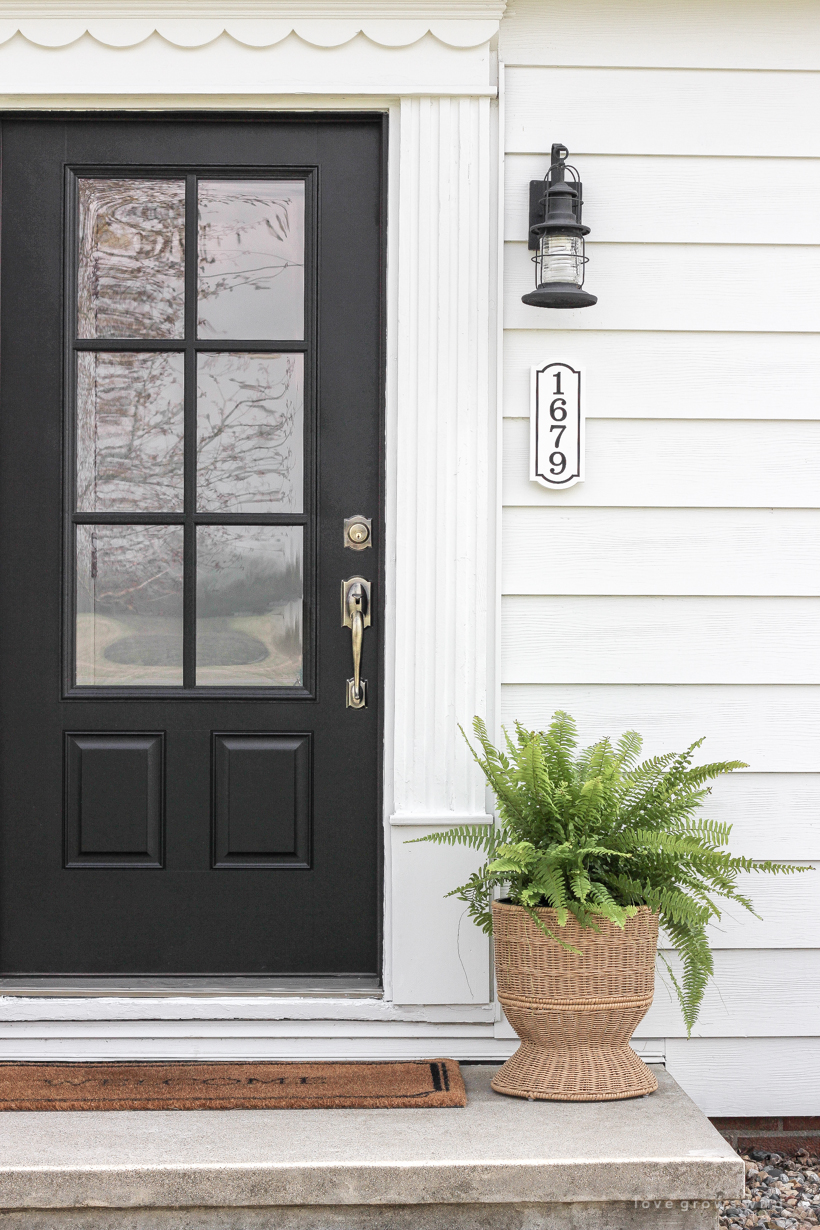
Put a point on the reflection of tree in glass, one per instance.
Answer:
(129, 604)
(247, 234)
(229, 591)
(131, 274)
(130, 432)
(251, 258)
(249, 433)
(247, 569)
(263, 587)
(130, 570)
(250, 578)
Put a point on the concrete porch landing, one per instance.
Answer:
(499, 1164)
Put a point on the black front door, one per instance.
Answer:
(190, 398)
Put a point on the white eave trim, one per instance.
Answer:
(198, 31)
(281, 10)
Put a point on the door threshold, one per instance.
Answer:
(76, 986)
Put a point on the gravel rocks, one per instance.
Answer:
(782, 1193)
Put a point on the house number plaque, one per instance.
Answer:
(556, 426)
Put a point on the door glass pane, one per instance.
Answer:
(130, 432)
(131, 271)
(249, 433)
(249, 605)
(129, 604)
(251, 258)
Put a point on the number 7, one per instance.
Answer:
(560, 428)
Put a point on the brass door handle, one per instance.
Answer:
(356, 617)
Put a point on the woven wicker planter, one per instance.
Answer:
(574, 1014)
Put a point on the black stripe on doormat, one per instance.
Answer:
(441, 1077)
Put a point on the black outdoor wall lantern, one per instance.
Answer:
(557, 237)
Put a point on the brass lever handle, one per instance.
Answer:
(356, 617)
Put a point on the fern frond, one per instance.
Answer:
(542, 926)
(477, 836)
(627, 749)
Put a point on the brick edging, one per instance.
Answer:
(772, 1133)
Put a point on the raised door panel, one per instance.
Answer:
(262, 795)
(114, 800)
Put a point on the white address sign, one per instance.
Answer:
(556, 426)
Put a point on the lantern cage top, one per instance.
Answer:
(556, 235)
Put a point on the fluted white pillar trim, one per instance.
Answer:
(444, 527)
(443, 509)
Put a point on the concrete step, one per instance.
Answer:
(498, 1164)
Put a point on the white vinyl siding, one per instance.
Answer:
(695, 287)
(638, 199)
(754, 552)
(675, 590)
(604, 110)
(678, 375)
(676, 463)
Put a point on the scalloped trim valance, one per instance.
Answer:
(279, 10)
(262, 32)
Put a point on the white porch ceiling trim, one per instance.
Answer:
(228, 10)
(251, 31)
(248, 59)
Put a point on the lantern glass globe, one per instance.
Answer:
(560, 259)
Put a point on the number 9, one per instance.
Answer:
(558, 463)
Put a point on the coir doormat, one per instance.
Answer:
(230, 1086)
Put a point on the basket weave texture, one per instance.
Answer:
(574, 1013)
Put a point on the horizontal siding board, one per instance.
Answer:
(748, 1076)
(673, 463)
(671, 375)
(773, 815)
(660, 640)
(697, 34)
(776, 729)
(657, 111)
(787, 904)
(678, 200)
(664, 551)
(699, 287)
(733, 1005)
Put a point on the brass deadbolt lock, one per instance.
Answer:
(358, 533)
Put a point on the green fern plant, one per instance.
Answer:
(597, 834)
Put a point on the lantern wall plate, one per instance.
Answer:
(556, 426)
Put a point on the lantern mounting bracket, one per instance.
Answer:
(540, 187)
